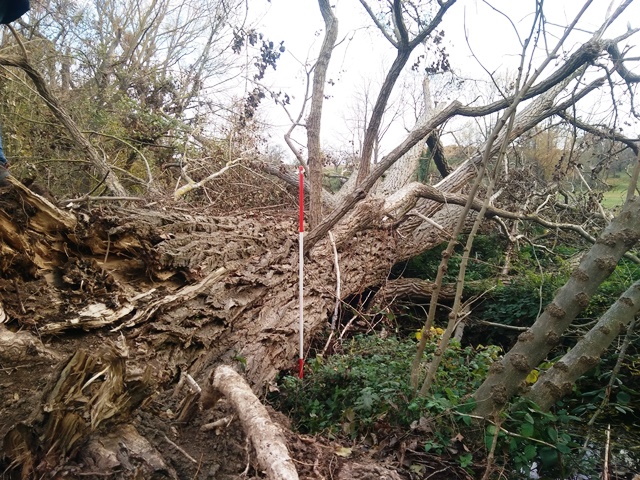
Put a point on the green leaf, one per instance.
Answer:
(431, 446)
(465, 460)
(488, 441)
(562, 448)
(548, 456)
(553, 434)
(529, 418)
(526, 429)
(530, 452)
(623, 398)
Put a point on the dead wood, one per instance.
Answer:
(48, 218)
(266, 438)
(411, 289)
(187, 292)
(16, 347)
(87, 393)
(124, 450)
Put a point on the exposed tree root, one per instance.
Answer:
(266, 438)
(21, 346)
(90, 394)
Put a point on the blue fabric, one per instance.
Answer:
(11, 10)
(3, 159)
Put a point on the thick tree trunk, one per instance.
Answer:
(559, 380)
(315, 161)
(507, 374)
(187, 292)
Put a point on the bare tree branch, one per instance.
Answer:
(404, 50)
(315, 115)
(618, 61)
(608, 134)
(380, 26)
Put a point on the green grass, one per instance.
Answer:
(615, 196)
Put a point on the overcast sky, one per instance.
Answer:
(364, 52)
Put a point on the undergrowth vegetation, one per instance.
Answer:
(363, 392)
(368, 386)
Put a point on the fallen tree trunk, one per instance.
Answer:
(265, 437)
(180, 293)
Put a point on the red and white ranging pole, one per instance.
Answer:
(301, 268)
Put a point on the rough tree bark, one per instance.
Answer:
(187, 292)
(172, 293)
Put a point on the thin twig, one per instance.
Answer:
(102, 199)
(507, 432)
(501, 325)
(19, 40)
(180, 449)
(326, 345)
(605, 467)
(334, 318)
(344, 330)
(614, 373)
(221, 422)
(491, 455)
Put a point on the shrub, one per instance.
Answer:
(368, 386)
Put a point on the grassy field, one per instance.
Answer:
(617, 193)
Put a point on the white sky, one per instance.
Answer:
(364, 52)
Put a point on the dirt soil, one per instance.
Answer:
(165, 446)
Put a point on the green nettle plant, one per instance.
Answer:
(367, 387)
